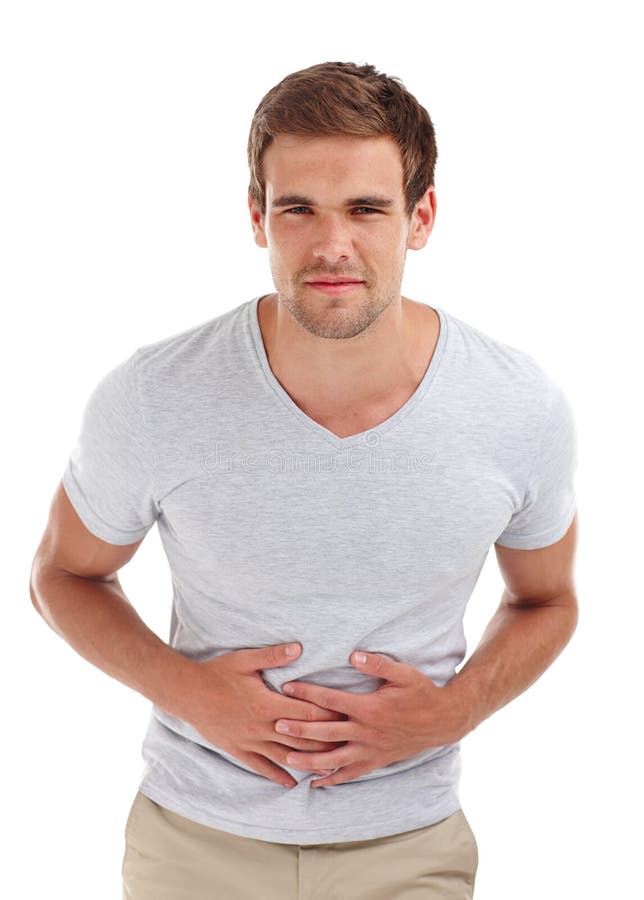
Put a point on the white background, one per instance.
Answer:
(123, 212)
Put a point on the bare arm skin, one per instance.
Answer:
(535, 620)
(74, 586)
(410, 713)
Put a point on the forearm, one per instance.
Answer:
(98, 621)
(517, 646)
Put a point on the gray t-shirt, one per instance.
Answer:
(277, 530)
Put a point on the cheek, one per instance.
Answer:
(288, 250)
(387, 255)
(283, 266)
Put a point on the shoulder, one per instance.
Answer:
(203, 353)
(191, 342)
(500, 374)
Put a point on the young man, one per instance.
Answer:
(328, 466)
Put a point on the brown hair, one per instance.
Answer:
(342, 98)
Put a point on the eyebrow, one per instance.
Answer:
(298, 200)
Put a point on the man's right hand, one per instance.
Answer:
(231, 706)
(73, 585)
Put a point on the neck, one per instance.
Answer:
(387, 357)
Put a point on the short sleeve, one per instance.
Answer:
(109, 477)
(549, 502)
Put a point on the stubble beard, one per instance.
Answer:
(336, 318)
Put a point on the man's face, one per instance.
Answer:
(335, 207)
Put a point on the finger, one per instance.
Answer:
(311, 761)
(381, 666)
(264, 766)
(329, 698)
(341, 776)
(255, 658)
(304, 709)
(277, 754)
(294, 743)
(318, 731)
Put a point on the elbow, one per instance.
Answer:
(33, 590)
(36, 581)
(574, 616)
(570, 607)
(36, 597)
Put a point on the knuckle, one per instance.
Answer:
(316, 710)
(254, 730)
(258, 710)
(325, 700)
(370, 710)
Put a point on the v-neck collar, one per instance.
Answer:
(320, 430)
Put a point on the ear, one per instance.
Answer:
(257, 222)
(422, 220)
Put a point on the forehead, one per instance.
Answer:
(293, 162)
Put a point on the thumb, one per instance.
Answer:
(269, 657)
(379, 665)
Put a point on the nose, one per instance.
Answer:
(332, 239)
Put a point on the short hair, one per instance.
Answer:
(342, 98)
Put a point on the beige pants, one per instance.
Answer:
(169, 857)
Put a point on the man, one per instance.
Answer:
(328, 466)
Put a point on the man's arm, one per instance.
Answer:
(409, 714)
(74, 586)
(536, 618)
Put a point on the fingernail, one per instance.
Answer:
(292, 649)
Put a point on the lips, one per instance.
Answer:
(334, 288)
(335, 281)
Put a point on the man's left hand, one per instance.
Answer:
(405, 716)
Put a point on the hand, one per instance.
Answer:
(403, 717)
(229, 703)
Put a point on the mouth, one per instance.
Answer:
(334, 279)
(334, 285)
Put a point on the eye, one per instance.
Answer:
(296, 209)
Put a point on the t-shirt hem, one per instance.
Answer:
(369, 830)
